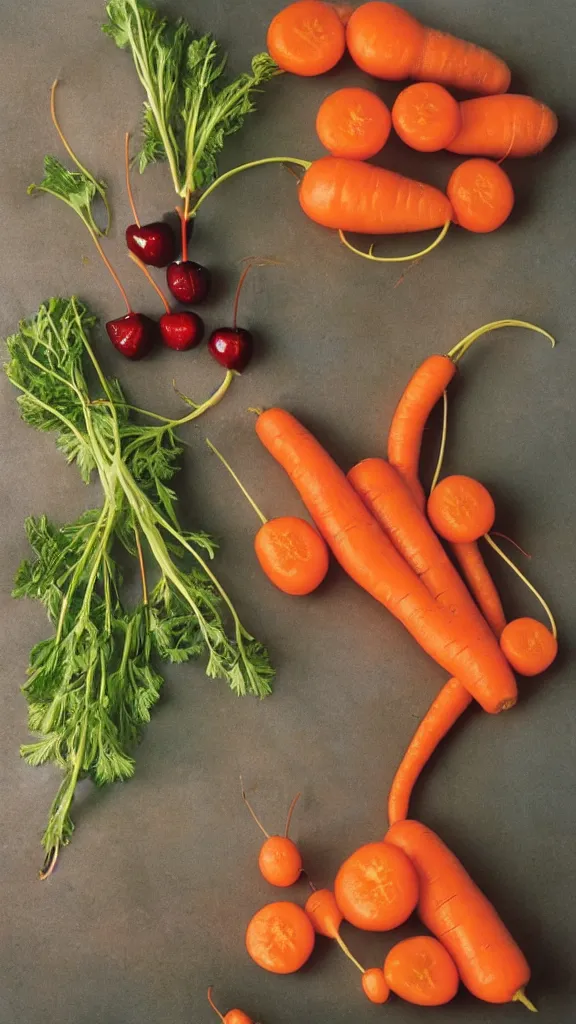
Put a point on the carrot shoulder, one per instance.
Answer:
(369, 557)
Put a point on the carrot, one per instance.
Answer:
(376, 888)
(233, 1016)
(280, 938)
(389, 43)
(461, 510)
(369, 557)
(455, 910)
(307, 38)
(503, 126)
(375, 985)
(349, 195)
(529, 646)
(353, 123)
(327, 918)
(425, 388)
(481, 194)
(280, 860)
(290, 551)
(443, 714)
(481, 584)
(420, 971)
(426, 117)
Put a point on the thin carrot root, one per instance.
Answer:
(521, 997)
(395, 259)
(252, 811)
(514, 543)
(213, 1004)
(338, 938)
(530, 586)
(290, 813)
(49, 864)
(237, 480)
(459, 350)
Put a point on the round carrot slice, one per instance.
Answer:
(529, 646)
(353, 123)
(426, 117)
(375, 889)
(307, 38)
(481, 194)
(421, 971)
(461, 510)
(280, 938)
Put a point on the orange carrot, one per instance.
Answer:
(371, 560)
(481, 584)
(280, 938)
(503, 126)
(307, 38)
(350, 195)
(389, 43)
(327, 918)
(353, 123)
(481, 194)
(421, 971)
(290, 551)
(461, 510)
(233, 1016)
(426, 117)
(375, 985)
(443, 714)
(280, 861)
(454, 909)
(376, 888)
(529, 646)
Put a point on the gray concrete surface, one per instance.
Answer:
(150, 902)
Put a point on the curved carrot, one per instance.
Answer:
(443, 713)
(389, 43)
(454, 909)
(371, 560)
(350, 195)
(307, 38)
(481, 584)
(481, 194)
(503, 126)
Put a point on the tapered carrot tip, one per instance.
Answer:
(521, 997)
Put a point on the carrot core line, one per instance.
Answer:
(394, 259)
(530, 586)
(248, 497)
(290, 813)
(252, 811)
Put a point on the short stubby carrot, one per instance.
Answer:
(371, 560)
(349, 195)
(503, 126)
(353, 123)
(280, 938)
(442, 715)
(390, 43)
(426, 117)
(375, 986)
(292, 555)
(422, 972)
(233, 1016)
(481, 194)
(529, 646)
(454, 909)
(461, 509)
(375, 889)
(481, 584)
(307, 38)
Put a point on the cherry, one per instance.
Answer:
(133, 335)
(189, 282)
(181, 331)
(232, 347)
(153, 243)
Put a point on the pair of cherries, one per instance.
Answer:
(189, 282)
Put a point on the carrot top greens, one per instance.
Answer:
(189, 109)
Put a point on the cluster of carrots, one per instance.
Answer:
(388, 536)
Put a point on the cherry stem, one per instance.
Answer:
(395, 259)
(442, 451)
(111, 270)
(249, 498)
(184, 225)
(290, 813)
(530, 586)
(128, 182)
(345, 950)
(98, 186)
(135, 259)
(459, 350)
(252, 811)
(213, 1005)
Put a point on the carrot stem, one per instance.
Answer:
(248, 497)
(347, 952)
(395, 259)
(213, 1005)
(252, 811)
(208, 404)
(459, 350)
(246, 167)
(135, 259)
(530, 586)
(290, 813)
(49, 864)
(142, 568)
(442, 451)
(128, 182)
(110, 268)
(101, 191)
(521, 997)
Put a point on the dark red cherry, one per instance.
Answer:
(133, 335)
(189, 282)
(231, 347)
(154, 243)
(181, 331)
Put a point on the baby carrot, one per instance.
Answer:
(529, 646)
(279, 860)
(426, 117)
(481, 194)
(376, 888)
(353, 123)
(280, 938)
(461, 510)
(233, 1016)
(307, 38)
(421, 971)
